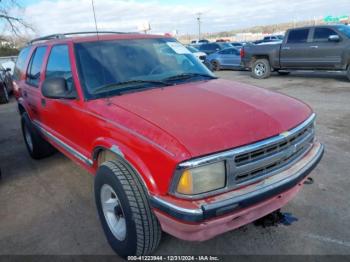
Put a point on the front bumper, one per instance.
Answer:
(204, 219)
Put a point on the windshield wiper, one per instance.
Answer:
(188, 76)
(119, 85)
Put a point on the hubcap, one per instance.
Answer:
(113, 212)
(28, 138)
(260, 69)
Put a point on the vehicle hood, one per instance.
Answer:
(216, 115)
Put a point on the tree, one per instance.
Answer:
(15, 23)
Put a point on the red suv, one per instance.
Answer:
(172, 147)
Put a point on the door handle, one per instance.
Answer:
(43, 102)
(286, 48)
(314, 46)
(25, 93)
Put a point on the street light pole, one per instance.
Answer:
(199, 25)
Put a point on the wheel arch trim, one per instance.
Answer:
(125, 154)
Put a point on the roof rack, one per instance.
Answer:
(64, 35)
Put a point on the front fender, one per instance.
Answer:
(130, 157)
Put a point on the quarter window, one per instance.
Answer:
(33, 76)
(298, 36)
(58, 65)
(20, 63)
(323, 34)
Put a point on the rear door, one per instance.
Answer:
(326, 54)
(295, 51)
(31, 86)
(19, 72)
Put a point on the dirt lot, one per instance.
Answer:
(47, 206)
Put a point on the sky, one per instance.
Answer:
(57, 16)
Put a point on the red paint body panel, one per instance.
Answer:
(166, 125)
(211, 228)
(212, 116)
(157, 129)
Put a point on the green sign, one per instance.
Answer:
(335, 19)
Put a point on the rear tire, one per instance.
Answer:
(261, 69)
(4, 96)
(37, 146)
(130, 226)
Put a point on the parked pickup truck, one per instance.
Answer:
(172, 147)
(325, 47)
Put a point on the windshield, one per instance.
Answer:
(108, 67)
(345, 30)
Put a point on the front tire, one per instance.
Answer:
(261, 69)
(4, 95)
(37, 146)
(216, 65)
(129, 224)
(348, 72)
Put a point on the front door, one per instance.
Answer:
(326, 54)
(63, 120)
(295, 51)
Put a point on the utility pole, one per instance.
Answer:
(199, 25)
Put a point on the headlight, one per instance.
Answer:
(202, 179)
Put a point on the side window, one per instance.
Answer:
(33, 74)
(20, 63)
(322, 34)
(224, 52)
(234, 52)
(204, 47)
(58, 64)
(298, 36)
(215, 47)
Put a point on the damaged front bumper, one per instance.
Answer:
(204, 219)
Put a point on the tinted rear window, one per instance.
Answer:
(33, 76)
(298, 36)
(209, 47)
(21, 63)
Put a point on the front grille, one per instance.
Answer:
(202, 57)
(255, 162)
(268, 157)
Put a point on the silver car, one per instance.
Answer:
(228, 58)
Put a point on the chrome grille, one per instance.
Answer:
(270, 157)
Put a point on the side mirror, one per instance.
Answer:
(334, 38)
(56, 88)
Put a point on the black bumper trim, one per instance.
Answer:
(234, 204)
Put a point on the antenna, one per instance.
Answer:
(93, 10)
